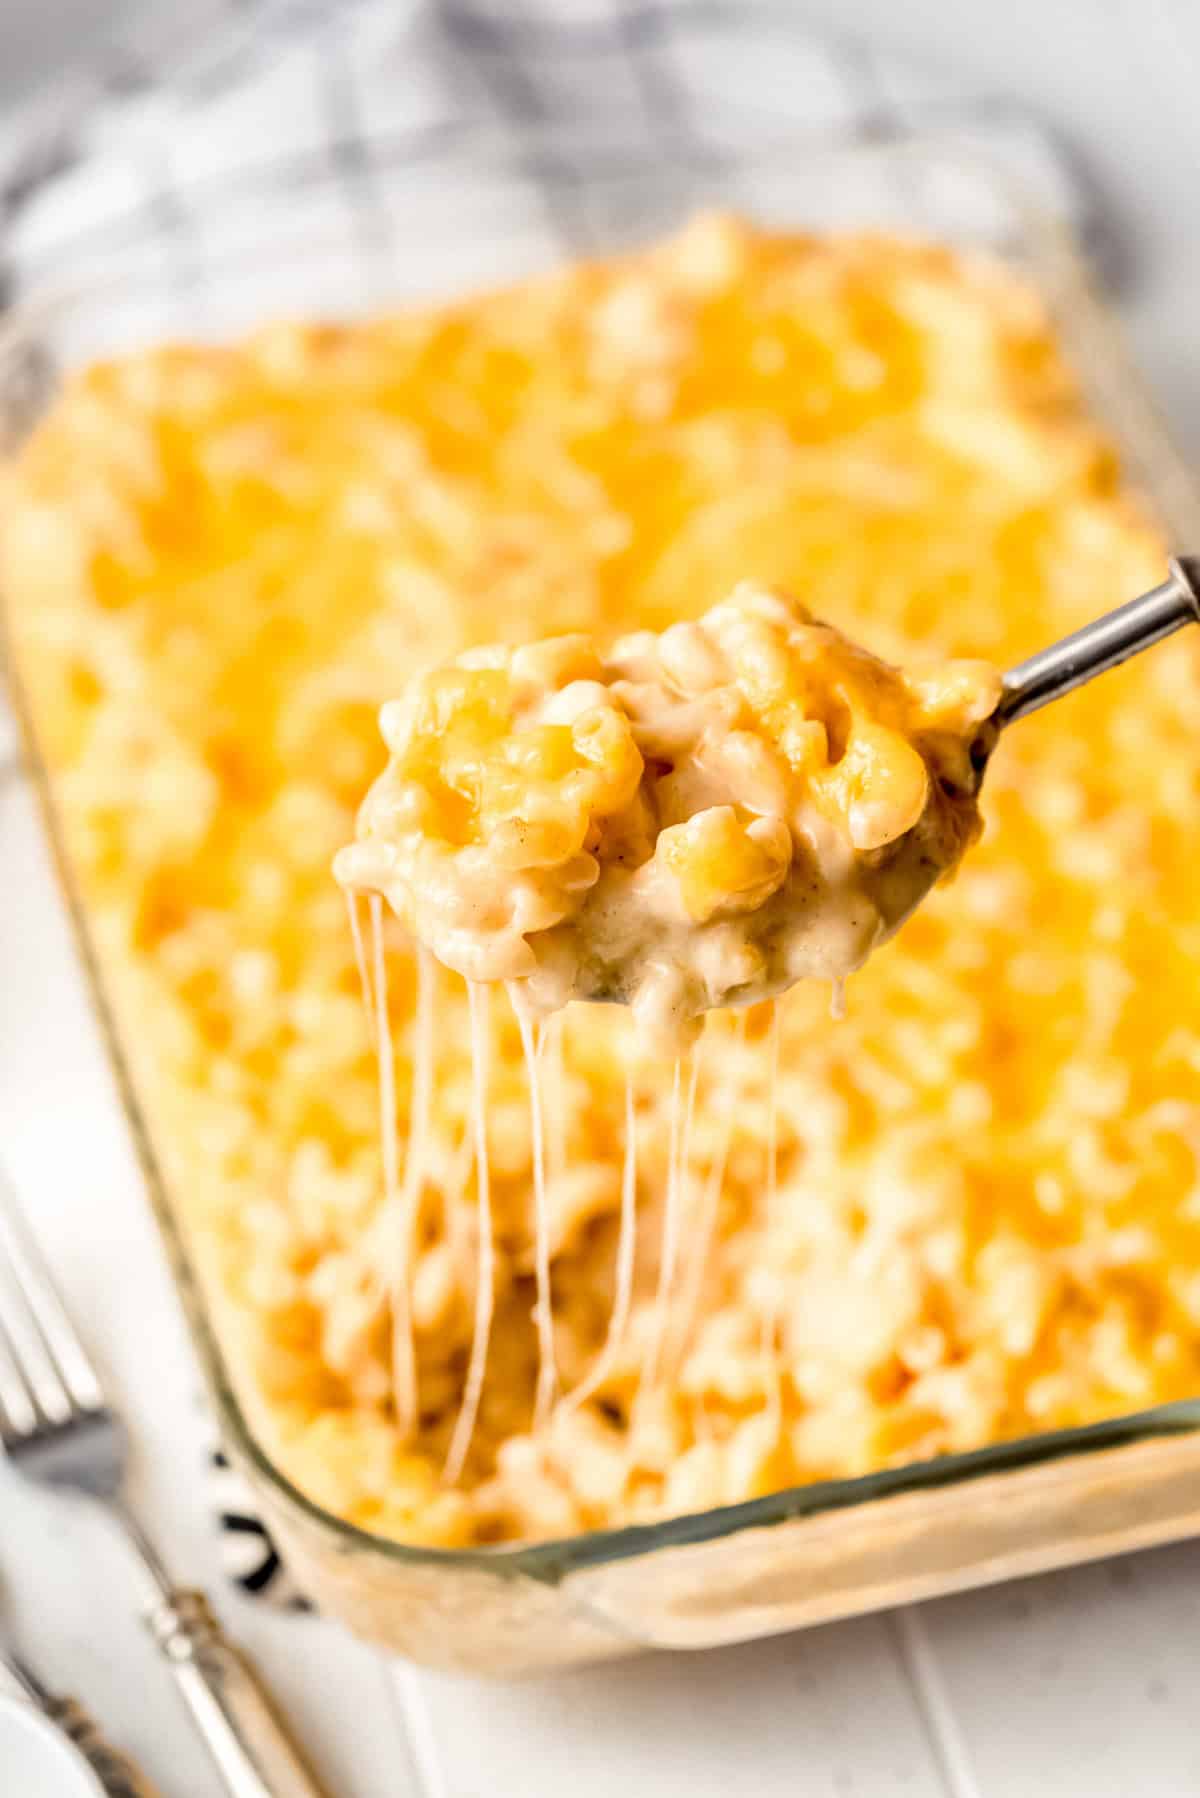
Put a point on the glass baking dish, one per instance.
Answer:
(811, 1553)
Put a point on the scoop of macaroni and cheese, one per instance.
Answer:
(699, 818)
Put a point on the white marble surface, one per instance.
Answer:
(1078, 1684)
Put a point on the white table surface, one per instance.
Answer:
(1079, 1684)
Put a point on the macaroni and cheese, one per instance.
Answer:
(220, 562)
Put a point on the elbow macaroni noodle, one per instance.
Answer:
(973, 1211)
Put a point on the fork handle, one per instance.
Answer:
(229, 1705)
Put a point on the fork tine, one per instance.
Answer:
(18, 1413)
(63, 1359)
(28, 1352)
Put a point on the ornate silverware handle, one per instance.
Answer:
(114, 1769)
(255, 1755)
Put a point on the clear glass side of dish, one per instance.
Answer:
(796, 1557)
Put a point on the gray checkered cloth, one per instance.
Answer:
(358, 120)
(167, 154)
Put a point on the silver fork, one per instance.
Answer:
(59, 1430)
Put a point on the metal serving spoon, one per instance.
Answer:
(1048, 675)
(1103, 644)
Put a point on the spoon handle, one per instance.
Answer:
(1104, 643)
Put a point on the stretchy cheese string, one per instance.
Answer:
(464, 1427)
(666, 1253)
(552, 1050)
(385, 1063)
(678, 1153)
(455, 1210)
(626, 1251)
(685, 1161)
(710, 1204)
(771, 1318)
(543, 1313)
(360, 958)
(420, 1123)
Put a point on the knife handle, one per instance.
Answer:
(255, 1755)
